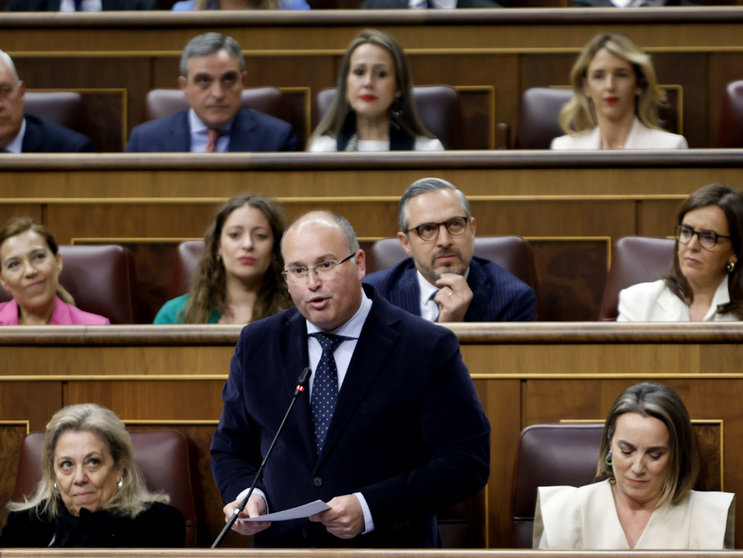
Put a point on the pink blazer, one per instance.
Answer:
(64, 314)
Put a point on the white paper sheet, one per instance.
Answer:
(305, 510)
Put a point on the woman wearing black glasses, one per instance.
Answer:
(705, 282)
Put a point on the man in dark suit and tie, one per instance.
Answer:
(442, 280)
(24, 133)
(212, 73)
(391, 430)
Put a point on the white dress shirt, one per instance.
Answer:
(87, 6)
(16, 144)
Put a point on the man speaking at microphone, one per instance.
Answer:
(392, 430)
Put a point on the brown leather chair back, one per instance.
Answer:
(187, 260)
(102, 280)
(538, 121)
(62, 107)
(164, 457)
(510, 252)
(439, 109)
(730, 131)
(164, 102)
(635, 259)
(550, 455)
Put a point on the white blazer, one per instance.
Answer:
(640, 137)
(654, 302)
(326, 143)
(586, 518)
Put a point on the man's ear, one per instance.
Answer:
(182, 81)
(403, 238)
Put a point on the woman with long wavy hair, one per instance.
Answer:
(238, 279)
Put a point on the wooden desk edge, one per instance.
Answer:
(468, 334)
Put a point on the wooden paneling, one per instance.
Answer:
(155, 376)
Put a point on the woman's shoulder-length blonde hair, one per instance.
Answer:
(578, 114)
(661, 402)
(130, 499)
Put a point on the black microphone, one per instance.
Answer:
(302, 381)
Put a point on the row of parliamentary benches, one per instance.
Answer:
(490, 57)
(570, 207)
(102, 278)
(446, 112)
(160, 377)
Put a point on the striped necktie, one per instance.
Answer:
(213, 134)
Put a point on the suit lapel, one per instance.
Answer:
(672, 307)
(294, 358)
(378, 338)
(180, 132)
(478, 281)
(407, 293)
(636, 134)
(242, 132)
(31, 138)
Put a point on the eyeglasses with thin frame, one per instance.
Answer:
(325, 268)
(707, 239)
(427, 232)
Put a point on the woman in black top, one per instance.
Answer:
(91, 492)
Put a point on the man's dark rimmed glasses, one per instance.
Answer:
(323, 269)
(430, 231)
(707, 239)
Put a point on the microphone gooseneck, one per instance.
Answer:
(301, 386)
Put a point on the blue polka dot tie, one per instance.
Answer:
(324, 387)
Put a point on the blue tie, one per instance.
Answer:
(324, 387)
(78, 5)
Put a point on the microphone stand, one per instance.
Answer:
(304, 378)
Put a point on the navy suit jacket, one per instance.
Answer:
(497, 295)
(408, 431)
(43, 136)
(251, 131)
(53, 5)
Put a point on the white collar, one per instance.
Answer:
(16, 144)
(352, 328)
(197, 126)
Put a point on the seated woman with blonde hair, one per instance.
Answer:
(91, 493)
(373, 108)
(649, 462)
(238, 279)
(30, 266)
(615, 101)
